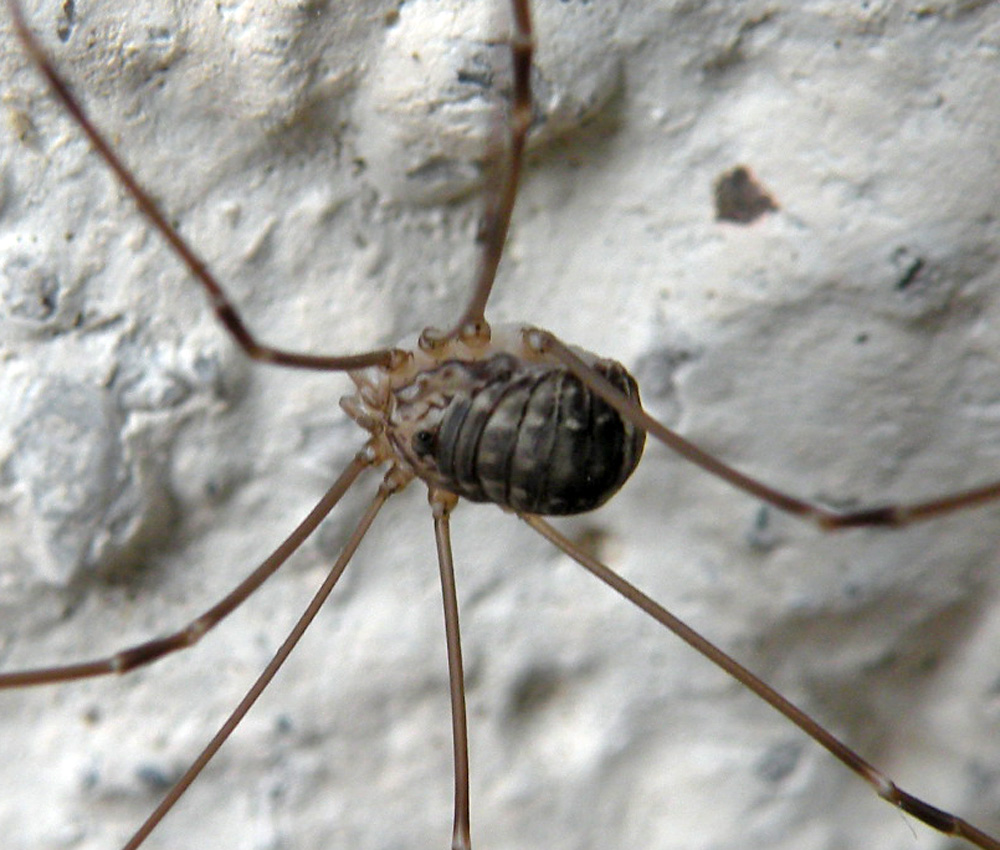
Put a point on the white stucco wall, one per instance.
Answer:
(321, 157)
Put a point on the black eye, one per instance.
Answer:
(423, 443)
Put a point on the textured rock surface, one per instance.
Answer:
(323, 158)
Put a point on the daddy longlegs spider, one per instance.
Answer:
(553, 695)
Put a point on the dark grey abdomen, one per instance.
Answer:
(530, 437)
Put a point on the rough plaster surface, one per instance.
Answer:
(323, 157)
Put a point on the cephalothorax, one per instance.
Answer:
(489, 419)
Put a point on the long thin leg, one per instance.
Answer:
(886, 516)
(224, 309)
(146, 653)
(885, 788)
(442, 504)
(503, 183)
(391, 485)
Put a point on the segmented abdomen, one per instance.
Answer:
(527, 436)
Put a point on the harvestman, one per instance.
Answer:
(519, 392)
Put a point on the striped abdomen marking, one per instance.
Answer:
(531, 437)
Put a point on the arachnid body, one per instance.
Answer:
(496, 423)
(842, 345)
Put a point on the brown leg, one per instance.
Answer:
(884, 516)
(150, 651)
(883, 786)
(224, 309)
(504, 179)
(387, 488)
(442, 504)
